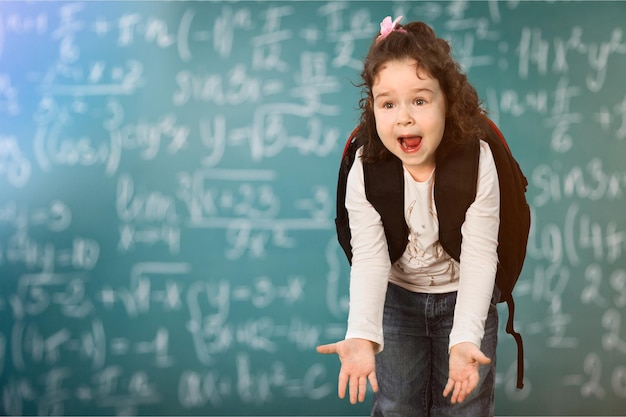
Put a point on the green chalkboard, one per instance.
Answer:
(167, 191)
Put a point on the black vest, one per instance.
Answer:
(455, 190)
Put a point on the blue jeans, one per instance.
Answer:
(412, 369)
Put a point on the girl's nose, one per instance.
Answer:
(405, 118)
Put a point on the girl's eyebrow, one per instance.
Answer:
(416, 90)
(382, 94)
(421, 90)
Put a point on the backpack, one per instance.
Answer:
(454, 191)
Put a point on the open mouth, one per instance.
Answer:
(410, 143)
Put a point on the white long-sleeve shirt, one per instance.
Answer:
(424, 267)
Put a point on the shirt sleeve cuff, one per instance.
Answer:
(373, 337)
(457, 338)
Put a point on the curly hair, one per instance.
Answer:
(433, 56)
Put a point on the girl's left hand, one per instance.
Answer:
(465, 360)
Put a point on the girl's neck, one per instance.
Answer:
(422, 174)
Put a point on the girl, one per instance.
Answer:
(423, 330)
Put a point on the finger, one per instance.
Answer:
(462, 393)
(455, 392)
(354, 389)
(343, 382)
(362, 388)
(448, 389)
(373, 381)
(327, 349)
(482, 359)
(472, 384)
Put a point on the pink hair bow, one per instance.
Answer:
(387, 26)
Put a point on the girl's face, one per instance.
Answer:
(410, 113)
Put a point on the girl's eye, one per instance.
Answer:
(388, 105)
(420, 101)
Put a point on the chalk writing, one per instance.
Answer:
(589, 182)
(576, 237)
(15, 167)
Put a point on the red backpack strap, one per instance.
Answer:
(350, 139)
(497, 131)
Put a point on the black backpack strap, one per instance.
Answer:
(518, 340)
(456, 179)
(385, 190)
(341, 221)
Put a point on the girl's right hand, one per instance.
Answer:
(357, 366)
